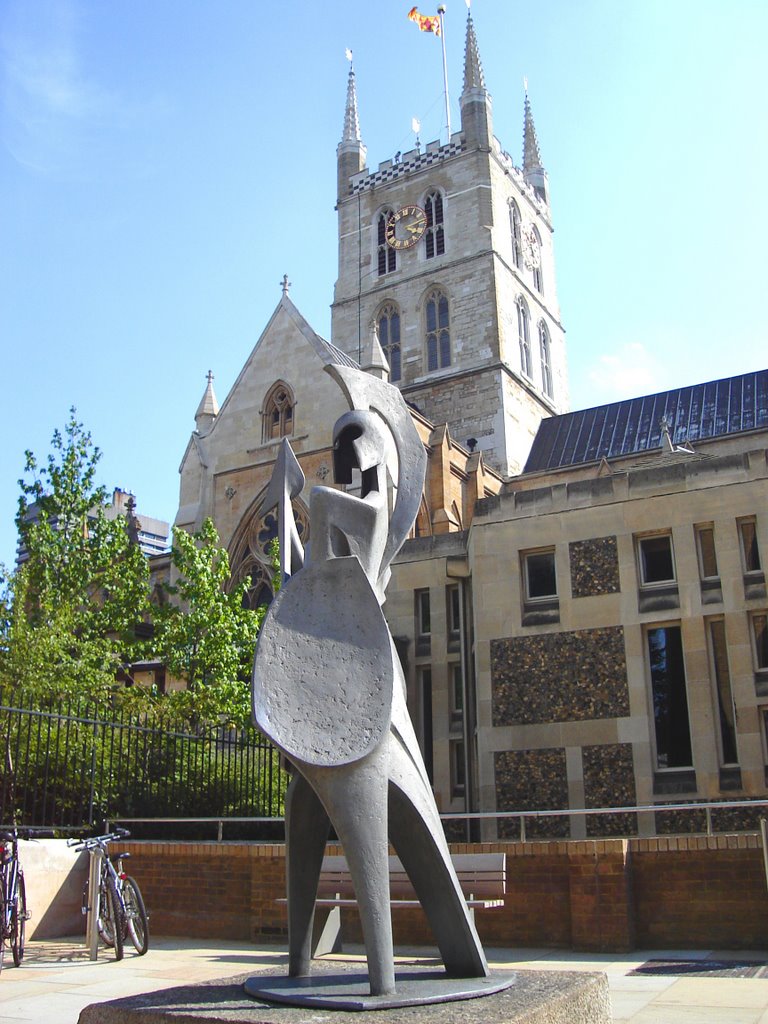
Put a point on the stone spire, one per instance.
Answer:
(351, 131)
(208, 409)
(350, 152)
(473, 69)
(372, 358)
(475, 100)
(533, 168)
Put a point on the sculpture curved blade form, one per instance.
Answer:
(328, 689)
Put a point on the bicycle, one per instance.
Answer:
(13, 893)
(122, 913)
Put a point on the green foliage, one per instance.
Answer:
(204, 633)
(72, 610)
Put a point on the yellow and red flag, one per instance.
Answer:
(426, 23)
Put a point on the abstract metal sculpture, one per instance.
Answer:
(329, 691)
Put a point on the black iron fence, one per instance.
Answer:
(69, 764)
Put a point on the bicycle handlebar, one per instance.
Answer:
(31, 833)
(94, 841)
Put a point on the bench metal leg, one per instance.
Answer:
(329, 940)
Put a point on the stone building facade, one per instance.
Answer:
(581, 611)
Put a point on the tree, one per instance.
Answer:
(73, 608)
(204, 633)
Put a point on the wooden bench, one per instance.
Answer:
(482, 877)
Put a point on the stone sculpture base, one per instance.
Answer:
(536, 997)
(350, 990)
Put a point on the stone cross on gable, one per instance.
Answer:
(285, 284)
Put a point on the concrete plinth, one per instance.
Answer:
(536, 997)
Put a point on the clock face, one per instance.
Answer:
(531, 253)
(406, 227)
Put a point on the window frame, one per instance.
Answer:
(524, 337)
(545, 359)
(759, 644)
(423, 612)
(699, 530)
(525, 557)
(537, 271)
(751, 562)
(386, 256)
(434, 233)
(437, 339)
(720, 681)
(516, 232)
(391, 311)
(281, 407)
(647, 539)
(648, 629)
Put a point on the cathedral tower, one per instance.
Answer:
(447, 254)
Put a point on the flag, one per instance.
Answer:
(425, 22)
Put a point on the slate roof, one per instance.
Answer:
(732, 405)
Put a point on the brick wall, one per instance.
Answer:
(594, 895)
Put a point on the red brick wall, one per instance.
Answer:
(711, 889)
(601, 895)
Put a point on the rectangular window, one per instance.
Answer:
(760, 641)
(539, 575)
(457, 689)
(458, 772)
(705, 544)
(750, 553)
(453, 611)
(424, 676)
(657, 564)
(670, 698)
(423, 618)
(725, 706)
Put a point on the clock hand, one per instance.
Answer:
(413, 228)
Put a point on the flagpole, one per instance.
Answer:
(440, 13)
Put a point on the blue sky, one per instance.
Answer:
(162, 165)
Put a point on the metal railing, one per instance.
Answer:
(69, 764)
(759, 807)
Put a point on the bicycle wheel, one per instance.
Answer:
(112, 916)
(136, 916)
(105, 920)
(19, 922)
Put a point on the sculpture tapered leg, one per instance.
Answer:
(306, 833)
(416, 832)
(355, 796)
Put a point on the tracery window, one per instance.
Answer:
(386, 256)
(524, 336)
(434, 236)
(546, 359)
(438, 330)
(277, 414)
(388, 329)
(516, 227)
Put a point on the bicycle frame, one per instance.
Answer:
(10, 877)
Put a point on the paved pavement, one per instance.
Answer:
(57, 979)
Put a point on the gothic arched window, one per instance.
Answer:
(387, 257)
(388, 330)
(546, 359)
(277, 413)
(516, 228)
(434, 236)
(438, 330)
(524, 336)
(538, 277)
